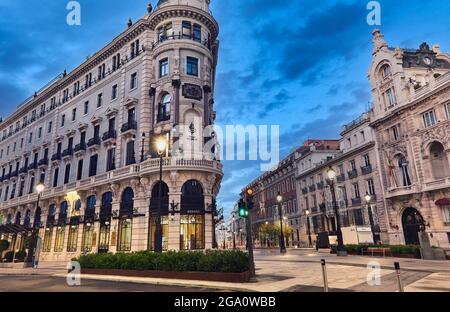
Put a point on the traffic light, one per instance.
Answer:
(249, 198)
(243, 211)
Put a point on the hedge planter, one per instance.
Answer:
(200, 276)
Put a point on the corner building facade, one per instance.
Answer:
(89, 137)
(411, 118)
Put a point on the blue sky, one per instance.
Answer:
(300, 64)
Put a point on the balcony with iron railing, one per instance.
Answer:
(320, 185)
(164, 39)
(366, 169)
(95, 141)
(356, 201)
(81, 147)
(33, 166)
(43, 162)
(304, 190)
(161, 117)
(148, 167)
(312, 188)
(67, 153)
(23, 170)
(56, 157)
(340, 178)
(129, 126)
(109, 135)
(352, 174)
(14, 174)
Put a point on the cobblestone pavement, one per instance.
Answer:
(298, 270)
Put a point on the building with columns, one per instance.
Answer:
(411, 119)
(89, 136)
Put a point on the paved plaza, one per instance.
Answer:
(298, 271)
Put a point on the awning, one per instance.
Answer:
(443, 202)
(13, 229)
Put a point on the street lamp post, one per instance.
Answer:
(368, 198)
(332, 177)
(29, 262)
(280, 212)
(142, 147)
(234, 234)
(308, 227)
(161, 145)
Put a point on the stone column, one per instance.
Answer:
(206, 113)
(176, 83)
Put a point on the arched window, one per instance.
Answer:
(154, 201)
(385, 71)
(77, 207)
(51, 215)
(127, 204)
(18, 217)
(27, 219)
(63, 212)
(404, 172)
(439, 161)
(90, 208)
(164, 108)
(192, 198)
(106, 207)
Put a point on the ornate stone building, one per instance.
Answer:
(411, 117)
(354, 159)
(266, 188)
(89, 137)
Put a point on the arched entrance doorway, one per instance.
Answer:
(126, 220)
(192, 223)
(105, 222)
(412, 223)
(164, 213)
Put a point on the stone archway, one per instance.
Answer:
(413, 223)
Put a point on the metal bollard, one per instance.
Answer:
(399, 279)
(324, 273)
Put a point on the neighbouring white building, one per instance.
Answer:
(89, 137)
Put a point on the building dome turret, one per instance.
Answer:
(200, 4)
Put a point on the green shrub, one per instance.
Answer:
(182, 261)
(20, 256)
(9, 256)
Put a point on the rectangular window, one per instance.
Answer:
(163, 68)
(114, 92)
(49, 128)
(30, 138)
(370, 187)
(48, 240)
(186, 30)
(390, 98)
(197, 34)
(366, 160)
(80, 170)
(39, 132)
(59, 240)
(93, 165)
(133, 82)
(447, 110)
(356, 190)
(110, 162)
(86, 243)
(395, 132)
(192, 66)
(63, 120)
(55, 177)
(99, 100)
(86, 107)
(74, 114)
(353, 165)
(429, 118)
(72, 239)
(67, 174)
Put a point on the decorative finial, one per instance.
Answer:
(65, 73)
(149, 8)
(130, 22)
(378, 40)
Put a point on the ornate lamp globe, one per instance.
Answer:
(331, 174)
